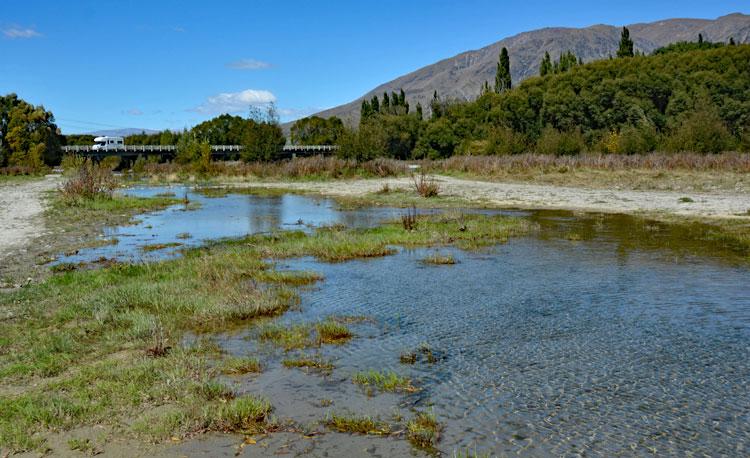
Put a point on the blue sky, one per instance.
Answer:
(171, 64)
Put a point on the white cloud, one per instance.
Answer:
(248, 64)
(20, 32)
(233, 102)
(291, 114)
(134, 112)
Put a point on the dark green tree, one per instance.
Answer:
(546, 66)
(626, 44)
(502, 75)
(375, 104)
(385, 107)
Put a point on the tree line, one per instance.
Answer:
(683, 97)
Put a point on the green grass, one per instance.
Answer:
(384, 381)
(423, 431)
(240, 366)
(332, 332)
(336, 244)
(247, 414)
(439, 259)
(74, 350)
(356, 424)
(159, 246)
(315, 363)
(287, 337)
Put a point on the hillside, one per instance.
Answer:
(460, 76)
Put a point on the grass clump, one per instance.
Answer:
(85, 446)
(240, 366)
(247, 414)
(685, 200)
(423, 431)
(359, 425)
(314, 363)
(159, 246)
(384, 381)
(438, 259)
(332, 332)
(408, 358)
(289, 338)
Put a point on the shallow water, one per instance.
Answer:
(601, 335)
(233, 215)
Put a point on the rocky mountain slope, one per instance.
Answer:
(460, 76)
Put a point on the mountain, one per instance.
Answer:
(461, 76)
(122, 132)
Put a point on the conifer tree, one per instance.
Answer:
(700, 38)
(546, 66)
(375, 104)
(419, 110)
(402, 98)
(502, 76)
(365, 111)
(386, 105)
(626, 44)
(435, 106)
(731, 41)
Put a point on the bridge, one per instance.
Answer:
(169, 151)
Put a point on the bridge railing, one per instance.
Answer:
(173, 148)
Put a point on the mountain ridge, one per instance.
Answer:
(460, 76)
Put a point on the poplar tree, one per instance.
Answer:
(364, 112)
(375, 104)
(386, 106)
(626, 44)
(502, 76)
(419, 110)
(546, 66)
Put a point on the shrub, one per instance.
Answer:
(90, 181)
(425, 186)
(504, 140)
(702, 131)
(553, 141)
(71, 163)
(637, 139)
(110, 162)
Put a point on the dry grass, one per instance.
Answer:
(314, 167)
(658, 171)
(425, 186)
(90, 181)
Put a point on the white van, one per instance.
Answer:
(108, 143)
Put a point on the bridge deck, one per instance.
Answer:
(170, 150)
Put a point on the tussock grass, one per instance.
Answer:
(159, 246)
(355, 424)
(332, 332)
(439, 259)
(384, 381)
(240, 366)
(423, 431)
(287, 337)
(314, 363)
(246, 414)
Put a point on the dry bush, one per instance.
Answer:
(409, 219)
(501, 165)
(91, 181)
(17, 170)
(425, 186)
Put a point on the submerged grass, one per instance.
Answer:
(313, 363)
(423, 431)
(439, 259)
(384, 381)
(356, 424)
(240, 366)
